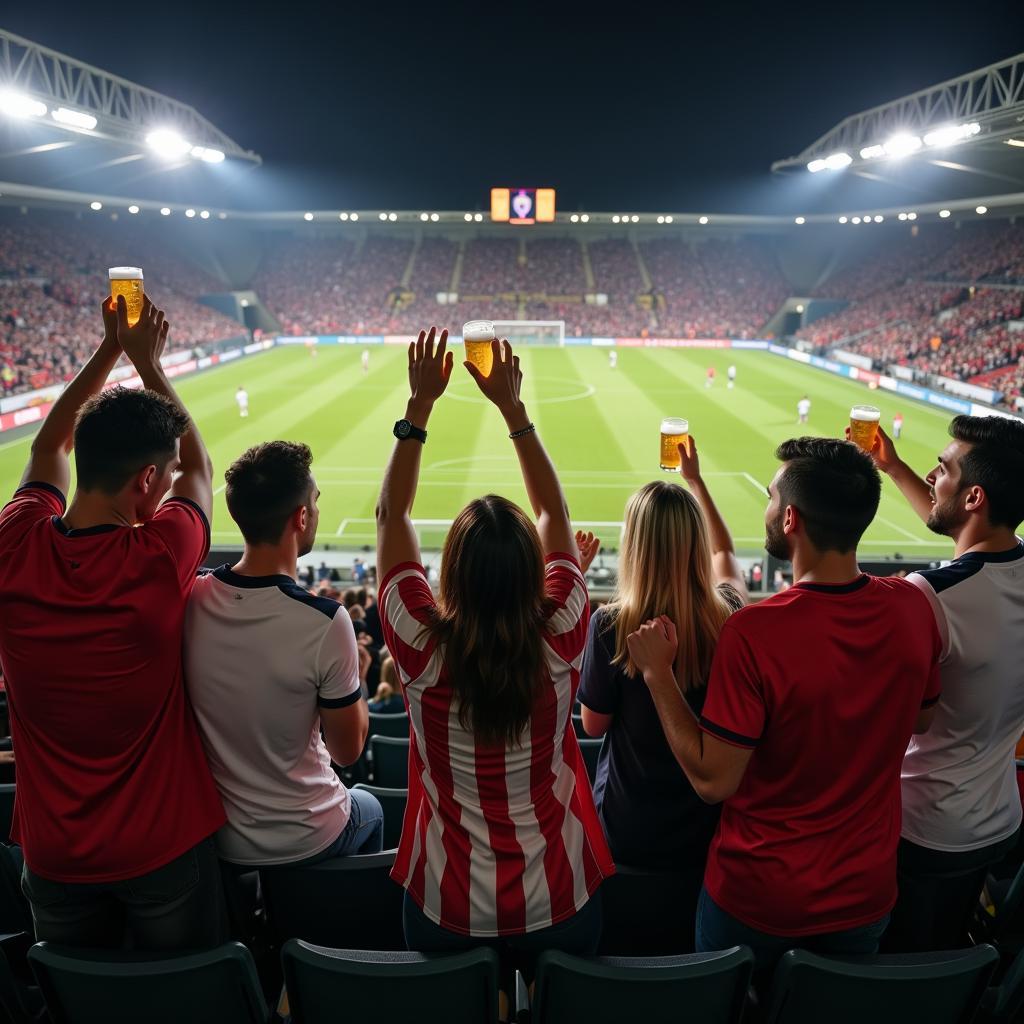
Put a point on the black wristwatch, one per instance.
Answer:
(404, 430)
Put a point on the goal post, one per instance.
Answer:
(531, 332)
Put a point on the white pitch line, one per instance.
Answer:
(341, 529)
(222, 487)
(895, 526)
(759, 487)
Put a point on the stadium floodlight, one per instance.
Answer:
(902, 144)
(165, 211)
(467, 217)
(981, 209)
(424, 216)
(167, 144)
(702, 220)
(382, 216)
(952, 134)
(74, 118)
(872, 152)
(354, 216)
(17, 104)
(800, 307)
(205, 214)
(817, 165)
(902, 216)
(943, 213)
(615, 218)
(635, 219)
(392, 217)
(96, 205)
(190, 212)
(879, 218)
(575, 218)
(478, 217)
(307, 216)
(133, 209)
(843, 219)
(435, 217)
(342, 216)
(855, 220)
(661, 219)
(668, 219)
(837, 161)
(911, 216)
(799, 220)
(585, 217)
(210, 156)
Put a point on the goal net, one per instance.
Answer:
(531, 332)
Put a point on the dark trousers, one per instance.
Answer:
(579, 935)
(938, 893)
(179, 906)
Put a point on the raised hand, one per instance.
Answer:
(503, 385)
(144, 343)
(108, 310)
(653, 646)
(883, 451)
(587, 545)
(429, 368)
(689, 463)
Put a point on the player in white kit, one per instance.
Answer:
(732, 376)
(242, 398)
(613, 359)
(803, 408)
(366, 360)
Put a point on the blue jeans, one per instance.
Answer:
(718, 930)
(364, 832)
(579, 935)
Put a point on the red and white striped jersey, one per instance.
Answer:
(496, 840)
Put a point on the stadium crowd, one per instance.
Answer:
(48, 283)
(163, 757)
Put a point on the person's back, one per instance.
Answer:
(116, 804)
(268, 664)
(825, 683)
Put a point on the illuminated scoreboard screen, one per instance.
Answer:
(523, 205)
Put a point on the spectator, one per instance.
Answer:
(388, 700)
(323, 574)
(677, 559)
(487, 669)
(961, 807)
(805, 852)
(268, 666)
(116, 805)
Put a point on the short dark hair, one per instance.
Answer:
(121, 430)
(833, 485)
(995, 463)
(265, 485)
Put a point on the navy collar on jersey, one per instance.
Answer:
(88, 531)
(836, 588)
(994, 556)
(233, 579)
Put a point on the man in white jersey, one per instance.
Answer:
(961, 806)
(267, 667)
(366, 360)
(613, 358)
(731, 373)
(803, 409)
(242, 398)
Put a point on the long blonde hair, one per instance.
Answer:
(665, 569)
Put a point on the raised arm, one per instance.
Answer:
(48, 461)
(429, 371)
(914, 489)
(726, 565)
(502, 387)
(143, 344)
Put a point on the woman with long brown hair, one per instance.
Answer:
(676, 554)
(501, 844)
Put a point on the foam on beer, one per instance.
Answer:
(478, 330)
(865, 414)
(125, 273)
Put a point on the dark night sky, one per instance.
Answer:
(645, 106)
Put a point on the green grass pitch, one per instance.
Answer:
(600, 426)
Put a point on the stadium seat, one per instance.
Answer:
(345, 902)
(647, 913)
(1004, 1003)
(83, 986)
(390, 757)
(393, 802)
(1001, 922)
(15, 912)
(654, 990)
(21, 1002)
(330, 985)
(941, 988)
(590, 749)
(389, 725)
(6, 811)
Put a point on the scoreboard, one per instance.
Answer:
(523, 205)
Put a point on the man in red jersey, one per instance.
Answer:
(813, 697)
(116, 805)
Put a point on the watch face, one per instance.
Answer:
(402, 428)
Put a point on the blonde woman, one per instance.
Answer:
(676, 554)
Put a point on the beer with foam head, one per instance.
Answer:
(127, 281)
(477, 336)
(864, 426)
(674, 432)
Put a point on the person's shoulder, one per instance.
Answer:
(325, 606)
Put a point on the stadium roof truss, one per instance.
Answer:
(991, 98)
(124, 111)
